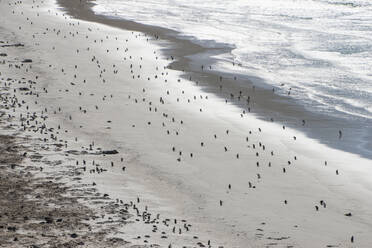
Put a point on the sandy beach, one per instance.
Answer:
(198, 63)
(105, 145)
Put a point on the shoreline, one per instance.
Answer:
(266, 105)
(191, 170)
(109, 208)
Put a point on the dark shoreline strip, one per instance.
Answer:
(264, 103)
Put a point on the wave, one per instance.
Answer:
(322, 46)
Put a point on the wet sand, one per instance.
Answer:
(155, 158)
(189, 57)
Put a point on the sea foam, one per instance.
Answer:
(320, 49)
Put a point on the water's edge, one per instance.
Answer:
(189, 57)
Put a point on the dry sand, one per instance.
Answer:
(132, 152)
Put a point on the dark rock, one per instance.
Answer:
(27, 61)
(48, 220)
(74, 235)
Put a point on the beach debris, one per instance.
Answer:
(110, 152)
(13, 45)
(27, 61)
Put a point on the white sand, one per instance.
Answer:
(192, 188)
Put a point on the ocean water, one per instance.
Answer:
(320, 50)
